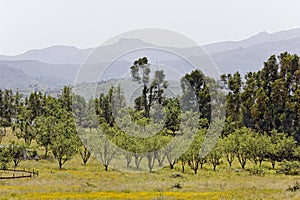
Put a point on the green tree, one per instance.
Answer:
(5, 157)
(171, 155)
(24, 127)
(45, 132)
(196, 96)
(152, 89)
(234, 86)
(104, 109)
(61, 135)
(118, 101)
(140, 71)
(263, 143)
(46, 124)
(83, 148)
(65, 98)
(101, 144)
(282, 147)
(248, 99)
(153, 147)
(81, 110)
(9, 107)
(183, 159)
(230, 147)
(64, 142)
(193, 153)
(215, 155)
(16, 152)
(243, 152)
(124, 141)
(173, 114)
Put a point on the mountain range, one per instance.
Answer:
(58, 65)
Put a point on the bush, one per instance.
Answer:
(176, 175)
(293, 188)
(288, 168)
(177, 185)
(256, 170)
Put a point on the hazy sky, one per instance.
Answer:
(29, 24)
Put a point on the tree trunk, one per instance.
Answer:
(60, 164)
(195, 171)
(229, 159)
(151, 160)
(260, 162)
(145, 101)
(273, 163)
(243, 165)
(46, 152)
(128, 160)
(137, 160)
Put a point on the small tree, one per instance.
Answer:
(85, 154)
(16, 152)
(153, 146)
(229, 148)
(281, 147)
(83, 150)
(171, 154)
(5, 157)
(244, 146)
(193, 153)
(64, 144)
(184, 160)
(124, 141)
(101, 144)
(263, 143)
(215, 155)
(45, 131)
(172, 107)
(24, 125)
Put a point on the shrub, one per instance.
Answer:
(177, 185)
(288, 168)
(256, 170)
(176, 175)
(293, 188)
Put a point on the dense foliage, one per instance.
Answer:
(262, 119)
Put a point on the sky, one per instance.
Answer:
(33, 24)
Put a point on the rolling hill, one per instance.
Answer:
(59, 65)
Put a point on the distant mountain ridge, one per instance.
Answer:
(253, 57)
(53, 55)
(60, 54)
(260, 38)
(58, 65)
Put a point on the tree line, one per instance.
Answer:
(261, 121)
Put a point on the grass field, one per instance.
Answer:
(77, 181)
